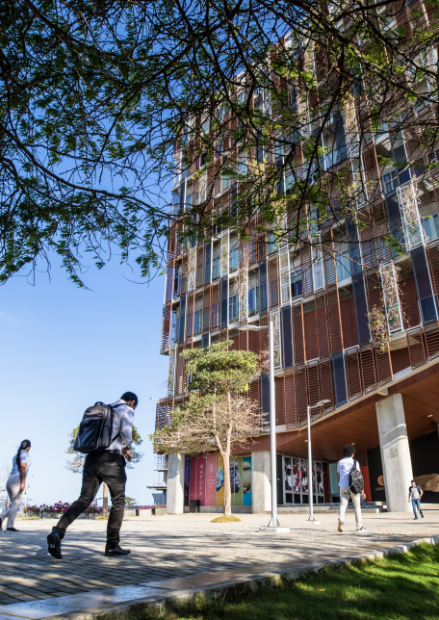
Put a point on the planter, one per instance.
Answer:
(145, 512)
(160, 511)
(129, 512)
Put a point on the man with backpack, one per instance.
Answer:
(105, 435)
(351, 486)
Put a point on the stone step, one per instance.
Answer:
(369, 507)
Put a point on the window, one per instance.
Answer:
(241, 97)
(233, 308)
(225, 182)
(216, 268)
(272, 244)
(176, 283)
(206, 126)
(296, 283)
(292, 96)
(390, 181)
(233, 259)
(343, 266)
(430, 225)
(198, 321)
(242, 168)
(259, 149)
(253, 301)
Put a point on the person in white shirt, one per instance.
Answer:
(16, 484)
(415, 494)
(104, 466)
(344, 468)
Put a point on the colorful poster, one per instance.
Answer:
(288, 474)
(296, 475)
(236, 480)
(219, 481)
(320, 488)
(193, 478)
(211, 480)
(247, 480)
(201, 480)
(304, 472)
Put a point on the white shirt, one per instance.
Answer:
(122, 425)
(24, 458)
(344, 468)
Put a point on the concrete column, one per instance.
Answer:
(395, 453)
(175, 492)
(261, 485)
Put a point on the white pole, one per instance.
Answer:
(273, 522)
(310, 481)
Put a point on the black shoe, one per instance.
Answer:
(116, 551)
(11, 529)
(422, 515)
(1, 524)
(54, 542)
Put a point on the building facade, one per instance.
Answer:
(331, 301)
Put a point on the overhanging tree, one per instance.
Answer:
(218, 415)
(94, 98)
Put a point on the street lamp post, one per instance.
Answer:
(310, 478)
(273, 525)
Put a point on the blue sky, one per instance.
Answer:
(64, 348)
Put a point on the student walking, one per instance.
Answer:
(106, 465)
(16, 484)
(351, 486)
(415, 494)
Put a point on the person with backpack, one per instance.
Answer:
(16, 484)
(105, 435)
(415, 494)
(351, 486)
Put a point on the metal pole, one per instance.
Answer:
(310, 481)
(273, 521)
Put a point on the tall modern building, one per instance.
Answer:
(330, 307)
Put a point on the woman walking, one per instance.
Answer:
(16, 484)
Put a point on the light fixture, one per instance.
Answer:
(430, 416)
(353, 443)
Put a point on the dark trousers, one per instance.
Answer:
(100, 467)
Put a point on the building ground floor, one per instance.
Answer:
(395, 434)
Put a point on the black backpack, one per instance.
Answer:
(356, 482)
(96, 429)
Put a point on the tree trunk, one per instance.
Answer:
(227, 490)
(105, 499)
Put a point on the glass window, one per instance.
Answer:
(253, 301)
(233, 259)
(390, 181)
(216, 268)
(296, 283)
(206, 126)
(242, 168)
(272, 244)
(343, 266)
(198, 321)
(430, 225)
(233, 308)
(225, 182)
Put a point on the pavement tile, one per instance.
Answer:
(187, 549)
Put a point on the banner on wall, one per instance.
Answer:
(236, 480)
(219, 480)
(247, 480)
(304, 475)
(211, 480)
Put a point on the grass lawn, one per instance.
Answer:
(398, 587)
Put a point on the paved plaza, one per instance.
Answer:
(166, 547)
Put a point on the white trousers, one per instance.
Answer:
(345, 494)
(15, 495)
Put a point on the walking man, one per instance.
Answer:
(107, 466)
(344, 469)
(415, 494)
